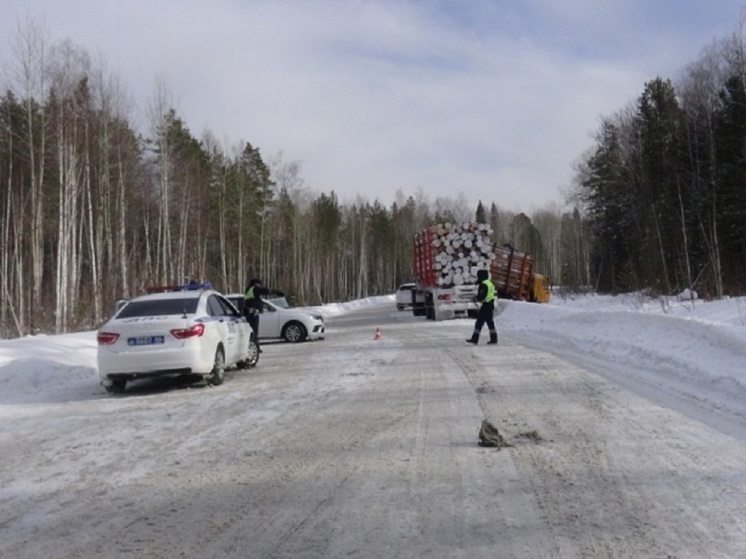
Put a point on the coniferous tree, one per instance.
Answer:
(606, 192)
(730, 145)
(480, 216)
(382, 249)
(656, 199)
(326, 222)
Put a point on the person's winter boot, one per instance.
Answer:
(493, 338)
(474, 339)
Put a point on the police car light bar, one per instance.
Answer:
(192, 285)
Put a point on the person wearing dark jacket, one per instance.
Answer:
(486, 295)
(253, 306)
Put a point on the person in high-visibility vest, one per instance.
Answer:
(486, 294)
(253, 306)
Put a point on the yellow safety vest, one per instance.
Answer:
(490, 290)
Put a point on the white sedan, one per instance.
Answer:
(404, 296)
(278, 321)
(194, 331)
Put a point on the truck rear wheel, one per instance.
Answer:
(429, 306)
(417, 309)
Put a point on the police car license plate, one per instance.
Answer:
(145, 340)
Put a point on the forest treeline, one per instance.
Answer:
(95, 208)
(664, 188)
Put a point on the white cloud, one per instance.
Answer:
(371, 96)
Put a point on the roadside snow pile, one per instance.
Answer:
(336, 309)
(696, 343)
(44, 368)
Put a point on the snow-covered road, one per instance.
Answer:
(355, 447)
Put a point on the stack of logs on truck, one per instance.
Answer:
(446, 258)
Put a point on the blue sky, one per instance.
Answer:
(494, 100)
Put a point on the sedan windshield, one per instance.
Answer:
(280, 302)
(159, 307)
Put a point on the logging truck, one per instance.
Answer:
(512, 273)
(446, 259)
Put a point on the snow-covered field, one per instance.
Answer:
(339, 447)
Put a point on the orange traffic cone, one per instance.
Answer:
(378, 334)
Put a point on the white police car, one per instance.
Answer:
(278, 321)
(174, 330)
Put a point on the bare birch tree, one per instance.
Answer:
(29, 75)
(160, 113)
(69, 81)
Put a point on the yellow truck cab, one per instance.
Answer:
(540, 288)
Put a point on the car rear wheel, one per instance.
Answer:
(217, 375)
(294, 332)
(116, 386)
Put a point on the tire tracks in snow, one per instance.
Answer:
(612, 474)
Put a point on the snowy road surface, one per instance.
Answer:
(355, 447)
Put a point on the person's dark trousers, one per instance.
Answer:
(254, 323)
(485, 316)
